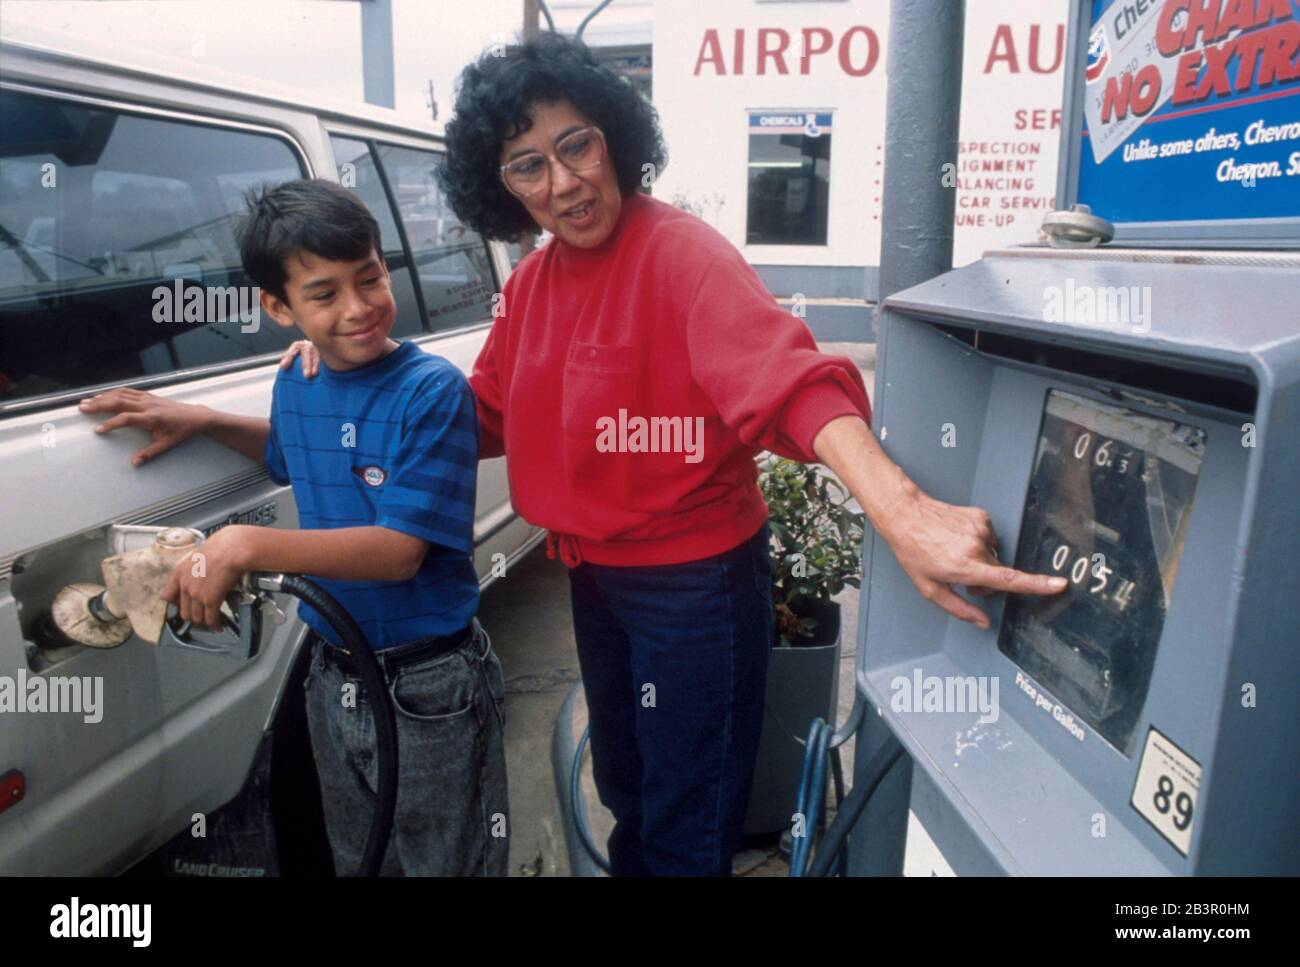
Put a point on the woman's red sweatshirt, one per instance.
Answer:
(607, 362)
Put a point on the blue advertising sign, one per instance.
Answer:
(1191, 110)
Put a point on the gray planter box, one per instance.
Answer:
(802, 684)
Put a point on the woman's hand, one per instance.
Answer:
(310, 357)
(938, 545)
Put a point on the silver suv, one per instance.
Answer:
(115, 182)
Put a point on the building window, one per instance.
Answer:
(789, 178)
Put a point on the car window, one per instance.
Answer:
(451, 259)
(357, 171)
(118, 257)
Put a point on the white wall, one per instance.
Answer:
(706, 123)
(1010, 111)
(705, 117)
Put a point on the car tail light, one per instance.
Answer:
(13, 786)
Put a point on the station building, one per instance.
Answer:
(774, 115)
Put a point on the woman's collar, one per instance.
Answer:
(632, 206)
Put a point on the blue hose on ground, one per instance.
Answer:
(831, 847)
(579, 811)
(810, 806)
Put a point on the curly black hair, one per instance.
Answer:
(494, 102)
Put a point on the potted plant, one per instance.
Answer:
(816, 553)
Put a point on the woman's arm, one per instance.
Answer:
(485, 380)
(309, 353)
(769, 381)
(938, 545)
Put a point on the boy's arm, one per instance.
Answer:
(170, 423)
(342, 554)
(201, 582)
(246, 434)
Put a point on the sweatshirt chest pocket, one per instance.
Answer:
(598, 380)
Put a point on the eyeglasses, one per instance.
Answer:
(578, 151)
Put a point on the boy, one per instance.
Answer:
(381, 449)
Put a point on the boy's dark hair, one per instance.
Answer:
(493, 99)
(319, 216)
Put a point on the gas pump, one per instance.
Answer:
(1124, 403)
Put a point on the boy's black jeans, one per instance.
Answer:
(452, 813)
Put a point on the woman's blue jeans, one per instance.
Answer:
(674, 664)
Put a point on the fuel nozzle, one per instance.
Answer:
(130, 600)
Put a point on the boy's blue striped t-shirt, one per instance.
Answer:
(393, 443)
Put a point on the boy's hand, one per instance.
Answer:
(168, 423)
(310, 357)
(202, 580)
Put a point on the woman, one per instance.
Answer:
(639, 367)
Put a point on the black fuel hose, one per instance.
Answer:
(828, 849)
(381, 707)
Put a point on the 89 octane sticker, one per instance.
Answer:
(1168, 780)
